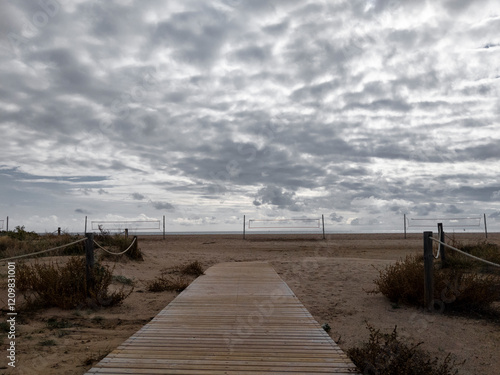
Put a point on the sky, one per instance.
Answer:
(362, 111)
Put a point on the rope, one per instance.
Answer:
(110, 252)
(464, 253)
(44, 251)
(439, 247)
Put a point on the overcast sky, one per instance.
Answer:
(360, 110)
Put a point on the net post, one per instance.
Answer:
(244, 223)
(404, 224)
(323, 221)
(485, 227)
(428, 272)
(89, 262)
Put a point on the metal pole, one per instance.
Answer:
(428, 272)
(89, 263)
(323, 220)
(244, 223)
(7, 224)
(404, 219)
(85, 225)
(163, 226)
(485, 227)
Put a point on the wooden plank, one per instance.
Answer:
(239, 318)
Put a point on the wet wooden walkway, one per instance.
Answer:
(239, 318)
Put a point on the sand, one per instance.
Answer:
(331, 277)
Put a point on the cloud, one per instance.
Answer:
(162, 206)
(452, 209)
(276, 196)
(295, 106)
(336, 218)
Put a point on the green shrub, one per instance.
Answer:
(21, 234)
(53, 285)
(387, 354)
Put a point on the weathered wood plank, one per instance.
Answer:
(239, 318)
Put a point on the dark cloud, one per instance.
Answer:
(336, 218)
(162, 206)
(138, 196)
(275, 196)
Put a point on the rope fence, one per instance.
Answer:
(429, 257)
(113, 253)
(463, 252)
(44, 251)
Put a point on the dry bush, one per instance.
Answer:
(14, 245)
(169, 283)
(65, 286)
(403, 282)
(192, 269)
(481, 249)
(387, 354)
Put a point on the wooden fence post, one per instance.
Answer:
(442, 248)
(89, 262)
(59, 231)
(126, 233)
(429, 272)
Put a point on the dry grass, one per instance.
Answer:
(387, 354)
(64, 286)
(193, 269)
(461, 290)
(164, 283)
(175, 279)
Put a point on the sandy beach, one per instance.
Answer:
(330, 277)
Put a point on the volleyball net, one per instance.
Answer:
(464, 222)
(284, 224)
(300, 225)
(121, 226)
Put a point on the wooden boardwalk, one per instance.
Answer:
(239, 318)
